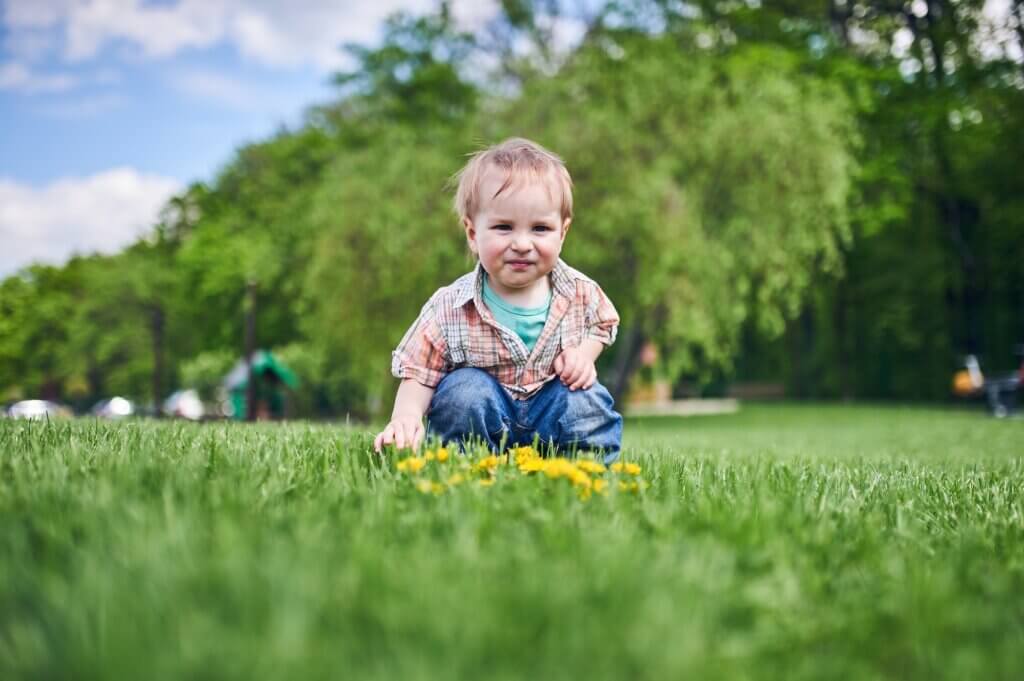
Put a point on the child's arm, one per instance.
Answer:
(575, 365)
(406, 426)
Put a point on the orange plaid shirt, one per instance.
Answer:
(455, 329)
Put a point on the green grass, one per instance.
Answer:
(778, 543)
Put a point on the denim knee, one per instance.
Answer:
(591, 422)
(467, 404)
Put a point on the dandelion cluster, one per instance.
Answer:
(437, 471)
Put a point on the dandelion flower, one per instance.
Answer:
(456, 479)
(600, 486)
(522, 454)
(411, 464)
(588, 466)
(488, 463)
(442, 455)
(630, 468)
(531, 465)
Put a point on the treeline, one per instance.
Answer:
(826, 194)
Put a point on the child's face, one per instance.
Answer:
(518, 234)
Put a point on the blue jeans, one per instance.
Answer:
(469, 404)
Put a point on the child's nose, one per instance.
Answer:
(522, 243)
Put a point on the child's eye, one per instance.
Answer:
(541, 228)
(502, 227)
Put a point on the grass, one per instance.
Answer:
(778, 543)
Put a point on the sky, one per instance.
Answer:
(109, 107)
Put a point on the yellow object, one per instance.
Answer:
(963, 384)
(411, 464)
(588, 466)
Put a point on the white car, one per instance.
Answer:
(35, 409)
(114, 408)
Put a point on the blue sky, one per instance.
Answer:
(108, 107)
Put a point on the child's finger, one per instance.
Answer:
(579, 378)
(417, 436)
(591, 379)
(558, 364)
(400, 438)
(568, 369)
(387, 437)
(377, 442)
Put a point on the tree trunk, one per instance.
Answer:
(841, 326)
(156, 320)
(250, 351)
(626, 361)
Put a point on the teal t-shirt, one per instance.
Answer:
(527, 322)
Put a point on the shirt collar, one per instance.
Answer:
(472, 287)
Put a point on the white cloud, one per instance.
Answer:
(17, 76)
(102, 212)
(269, 31)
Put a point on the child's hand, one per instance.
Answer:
(402, 433)
(575, 368)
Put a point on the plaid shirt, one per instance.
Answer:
(456, 329)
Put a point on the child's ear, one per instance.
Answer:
(565, 227)
(470, 233)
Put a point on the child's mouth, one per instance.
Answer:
(519, 264)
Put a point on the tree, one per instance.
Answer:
(709, 191)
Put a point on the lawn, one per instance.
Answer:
(783, 542)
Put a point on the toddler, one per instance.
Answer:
(506, 352)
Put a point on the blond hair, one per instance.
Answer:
(520, 160)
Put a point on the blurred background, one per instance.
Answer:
(794, 199)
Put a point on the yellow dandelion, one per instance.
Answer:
(411, 464)
(442, 455)
(428, 455)
(631, 486)
(630, 468)
(456, 479)
(600, 486)
(581, 479)
(588, 466)
(488, 463)
(558, 468)
(524, 454)
(563, 468)
(531, 465)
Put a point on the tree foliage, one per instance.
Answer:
(823, 193)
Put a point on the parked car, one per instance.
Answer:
(37, 409)
(184, 404)
(114, 408)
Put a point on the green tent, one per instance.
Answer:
(273, 381)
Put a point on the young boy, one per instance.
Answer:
(482, 359)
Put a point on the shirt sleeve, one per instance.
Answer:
(423, 353)
(601, 319)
